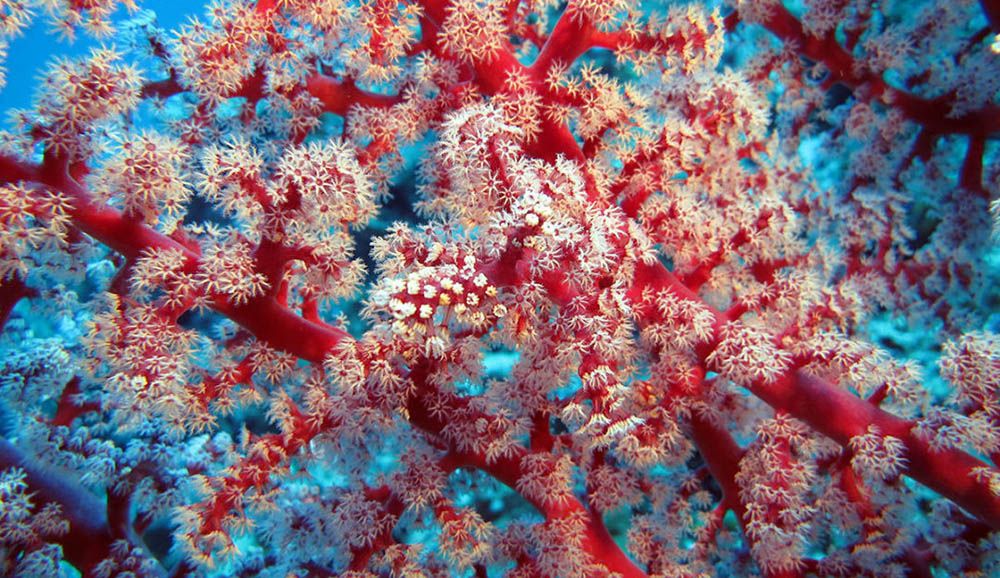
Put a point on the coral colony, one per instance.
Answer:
(483, 288)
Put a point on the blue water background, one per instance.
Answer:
(29, 53)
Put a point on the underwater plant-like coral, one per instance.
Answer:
(527, 288)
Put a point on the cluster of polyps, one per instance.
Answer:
(436, 293)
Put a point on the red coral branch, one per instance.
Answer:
(933, 114)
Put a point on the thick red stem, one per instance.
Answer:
(840, 415)
(89, 538)
(338, 96)
(11, 291)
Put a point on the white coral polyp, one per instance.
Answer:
(746, 355)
